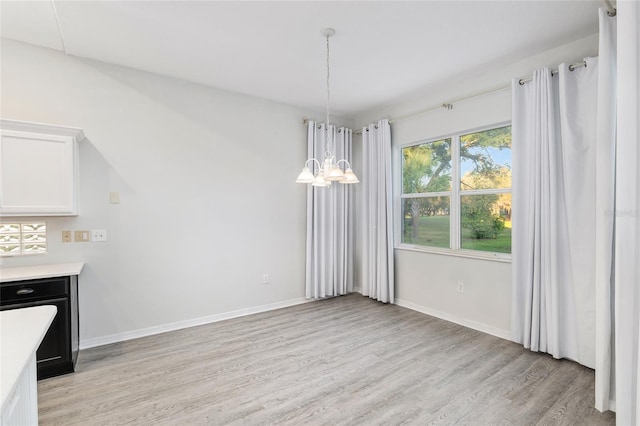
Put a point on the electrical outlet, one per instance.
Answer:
(82, 236)
(66, 236)
(265, 278)
(460, 287)
(98, 235)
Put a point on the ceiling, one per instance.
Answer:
(382, 51)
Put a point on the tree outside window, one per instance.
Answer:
(479, 208)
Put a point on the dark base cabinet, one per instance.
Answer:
(58, 351)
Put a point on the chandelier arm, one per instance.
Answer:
(344, 161)
(316, 162)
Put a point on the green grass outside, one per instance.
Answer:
(433, 231)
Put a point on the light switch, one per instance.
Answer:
(114, 198)
(82, 236)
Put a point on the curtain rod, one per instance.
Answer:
(446, 105)
(611, 10)
(449, 105)
(572, 67)
(306, 121)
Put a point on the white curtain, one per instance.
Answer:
(605, 199)
(627, 228)
(554, 162)
(377, 261)
(330, 231)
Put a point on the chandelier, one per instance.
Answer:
(329, 170)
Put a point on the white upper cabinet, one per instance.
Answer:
(38, 169)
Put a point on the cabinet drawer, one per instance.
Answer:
(17, 291)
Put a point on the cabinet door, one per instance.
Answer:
(38, 169)
(55, 347)
(54, 353)
(37, 174)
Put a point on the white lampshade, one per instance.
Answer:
(305, 176)
(350, 177)
(320, 180)
(335, 173)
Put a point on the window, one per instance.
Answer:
(426, 194)
(23, 238)
(456, 192)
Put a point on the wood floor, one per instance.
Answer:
(346, 361)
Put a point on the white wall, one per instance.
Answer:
(208, 201)
(427, 282)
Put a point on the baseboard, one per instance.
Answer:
(135, 334)
(494, 331)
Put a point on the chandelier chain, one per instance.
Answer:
(328, 140)
(328, 86)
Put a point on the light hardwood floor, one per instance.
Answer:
(348, 360)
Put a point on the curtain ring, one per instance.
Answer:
(521, 82)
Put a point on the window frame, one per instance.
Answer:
(455, 194)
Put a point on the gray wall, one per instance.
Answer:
(208, 199)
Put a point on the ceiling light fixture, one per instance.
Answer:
(329, 170)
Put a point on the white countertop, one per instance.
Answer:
(20, 273)
(21, 331)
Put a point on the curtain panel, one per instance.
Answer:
(546, 291)
(554, 161)
(377, 258)
(605, 219)
(627, 216)
(330, 227)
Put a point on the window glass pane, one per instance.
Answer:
(485, 159)
(486, 222)
(426, 221)
(427, 167)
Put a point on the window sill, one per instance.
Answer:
(469, 254)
